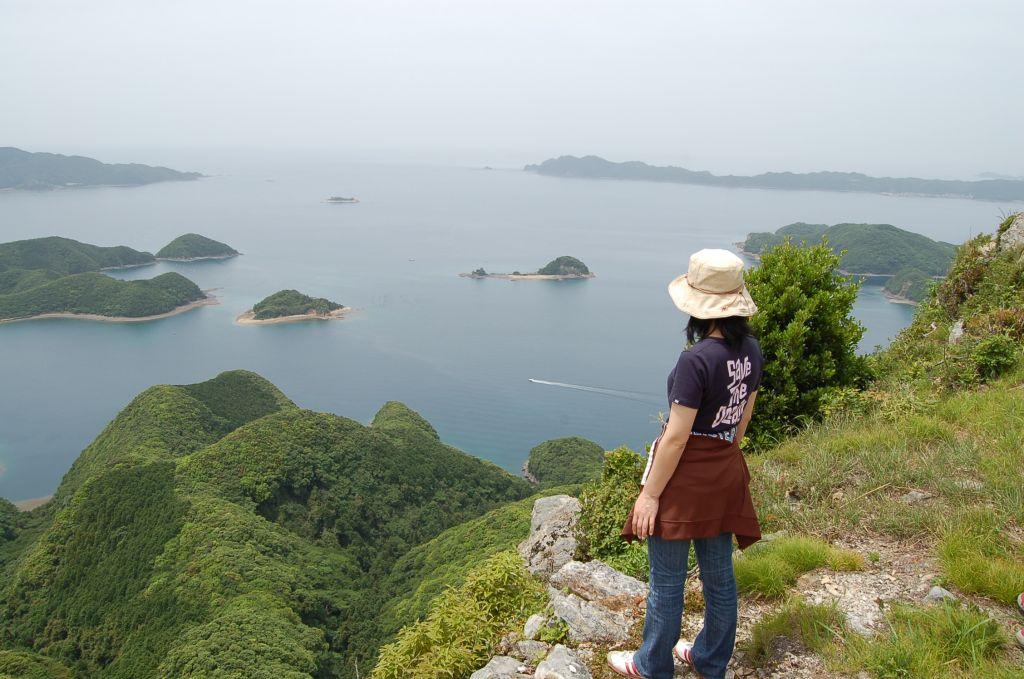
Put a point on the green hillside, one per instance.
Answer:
(43, 171)
(292, 303)
(96, 293)
(870, 248)
(195, 246)
(564, 266)
(566, 460)
(65, 256)
(60, 275)
(207, 516)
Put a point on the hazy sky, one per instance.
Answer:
(926, 88)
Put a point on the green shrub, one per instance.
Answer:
(464, 623)
(566, 460)
(26, 665)
(994, 355)
(808, 336)
(605, 503)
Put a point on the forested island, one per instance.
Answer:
(560, 268)
(59, 277)
(286, 306)
(594, 167)
(911, 260)
(193, 246)
(46, 171)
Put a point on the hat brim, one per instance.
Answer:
(710, 305)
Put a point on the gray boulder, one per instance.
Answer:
(1014, 234)
(533, 625)
(598, 582)
(500, 667)
(956, 333)
(588, 621)
(551, 543)
(937, 594)
(562, 663)
(530, 651)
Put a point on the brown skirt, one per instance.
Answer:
(708, 494)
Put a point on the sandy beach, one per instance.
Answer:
(205, 301)
(28, 505)
(248, 317)
(196, 259)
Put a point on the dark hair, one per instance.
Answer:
(734, 328)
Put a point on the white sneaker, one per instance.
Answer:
(1019, 636)
(684, 651)
(622, 663)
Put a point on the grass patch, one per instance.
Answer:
(769, 569)
(814, 627)
(934, 642)
(976, 556)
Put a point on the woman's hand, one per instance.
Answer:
(644, 512)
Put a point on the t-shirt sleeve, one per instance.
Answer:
(689, 381)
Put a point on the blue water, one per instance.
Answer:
(459, 351)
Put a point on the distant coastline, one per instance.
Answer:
(595, 167)
(249, 317)
(195, 259)
(208, 300)
(528, 276)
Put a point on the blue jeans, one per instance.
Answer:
(713, 646)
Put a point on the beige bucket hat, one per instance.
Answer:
(713, 287)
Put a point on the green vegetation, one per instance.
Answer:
(25, 665)
(208, 516)
(565, 460)
(595, 167)
(292, 303)
(909, 283)
(808, 337)
(96, 293)
(770, 568)
(194, 246)
(464, 623)
(59, 275)
(44, 171)
(605, 504)
(864, 248)
(814, 627)
(564, 266)
(940, 641)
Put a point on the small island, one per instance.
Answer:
(909, 260)
(558, 269)
(342, 199)
(288, 306)
(29, 171)
(62, 278)
(192, 247)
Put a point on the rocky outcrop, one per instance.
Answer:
(502, 667)
(597, 602)
(1012, 235)
(562, 663)
(551, 544)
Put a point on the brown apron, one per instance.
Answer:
(708, 494)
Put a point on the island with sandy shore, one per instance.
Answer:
(191, 247)
(290, 306)
(559, 269)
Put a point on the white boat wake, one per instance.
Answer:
(616, 393)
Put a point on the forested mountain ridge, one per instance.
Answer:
(44, 171)
(595, 167)
(206, 516)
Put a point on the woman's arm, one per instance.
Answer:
(670, 449)
(748, 410)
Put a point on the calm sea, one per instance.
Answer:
(460, 351)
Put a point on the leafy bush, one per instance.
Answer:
(464, 623)
(807, 333)
(605, 503)
(994, 355)
(566, 460)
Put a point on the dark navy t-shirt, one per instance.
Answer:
(716, 380)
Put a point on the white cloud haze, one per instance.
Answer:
(924, 88)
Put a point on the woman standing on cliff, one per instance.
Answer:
(695, 489)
